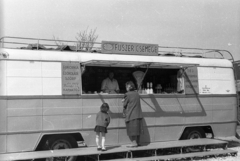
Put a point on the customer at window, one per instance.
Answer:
(110, 85)
(133, 114)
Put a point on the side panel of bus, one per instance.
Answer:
(22, 83)
(26, 115)
(163, 120)
(219, 84)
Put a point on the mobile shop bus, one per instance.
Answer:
(49, 97)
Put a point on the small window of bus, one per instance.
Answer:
(149, 78)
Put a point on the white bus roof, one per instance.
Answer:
(37, 50)
(104, 59)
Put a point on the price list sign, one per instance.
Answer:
(71, 77)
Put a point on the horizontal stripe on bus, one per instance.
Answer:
(111, 128)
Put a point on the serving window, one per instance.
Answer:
(149, 78)
(158, 80)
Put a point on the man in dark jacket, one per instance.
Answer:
(133, 112)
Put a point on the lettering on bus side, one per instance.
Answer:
(71, 76)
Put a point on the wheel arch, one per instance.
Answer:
(44, 137)
(204, 128)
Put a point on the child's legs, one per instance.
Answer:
(103, 139)
(97, 138)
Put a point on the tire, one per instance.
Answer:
(61, 142)
(193, 133)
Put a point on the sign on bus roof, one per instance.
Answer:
(112, 47)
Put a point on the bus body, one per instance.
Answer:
(46, 95)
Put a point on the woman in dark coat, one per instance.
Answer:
(133, 113)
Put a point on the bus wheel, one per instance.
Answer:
(193, 133)
(61, 142)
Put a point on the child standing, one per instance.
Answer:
(102, 122)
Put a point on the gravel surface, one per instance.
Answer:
(232, 146)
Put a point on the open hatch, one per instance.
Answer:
(161, 76)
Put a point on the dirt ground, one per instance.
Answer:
(233, 146)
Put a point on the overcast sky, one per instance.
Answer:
(182, 23)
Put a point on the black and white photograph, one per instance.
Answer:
(119, 80)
